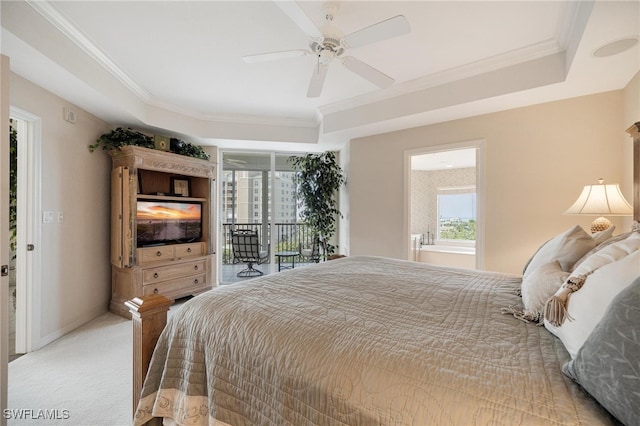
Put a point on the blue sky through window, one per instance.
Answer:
(462, 206)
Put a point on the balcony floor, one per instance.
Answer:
(229, 273)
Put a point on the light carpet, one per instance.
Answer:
(83, 378)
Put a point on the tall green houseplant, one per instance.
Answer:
(318, 179)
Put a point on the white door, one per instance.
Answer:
(4, 233)
(28, 257)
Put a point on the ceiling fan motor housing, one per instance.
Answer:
(327, 50)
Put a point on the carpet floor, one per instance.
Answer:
(83, 378)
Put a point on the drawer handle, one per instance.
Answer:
(155, 291)
(158, 253)
(155, 275)
(195, 267)
(196, 281)
(189, 250)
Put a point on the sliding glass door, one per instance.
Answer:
(258, 195)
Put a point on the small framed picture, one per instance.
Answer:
(181, 186)
(163, 143)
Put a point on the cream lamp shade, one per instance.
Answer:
(601, 200)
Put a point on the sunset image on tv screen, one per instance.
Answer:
(149, 210)
(160, 222)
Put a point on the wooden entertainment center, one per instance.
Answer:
(172, 269)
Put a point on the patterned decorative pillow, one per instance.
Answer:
(608, 363)
(539, 286)
(567, 248)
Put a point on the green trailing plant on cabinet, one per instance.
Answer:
(120, 137)
(318, 178)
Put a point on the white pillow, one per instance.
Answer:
(586, 307)
(539, 285)
(566, 248)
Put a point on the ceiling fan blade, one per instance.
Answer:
(317, 80)
(367, 72)
(299, 17)
(270, 56)
(392, 27)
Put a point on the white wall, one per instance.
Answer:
(538, 159)
(76, 273)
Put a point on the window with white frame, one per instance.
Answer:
(456, 215)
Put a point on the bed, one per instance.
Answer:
(369, 340)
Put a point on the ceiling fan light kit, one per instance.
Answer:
(331, 45)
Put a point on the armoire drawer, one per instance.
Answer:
(188, 250)
(171, 272)
(155, 254)
(182, 286)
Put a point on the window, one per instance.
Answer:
(456, 215)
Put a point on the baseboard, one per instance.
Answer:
(55, 335)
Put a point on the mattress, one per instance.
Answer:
(360, 341)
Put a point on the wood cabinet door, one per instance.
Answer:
(121, 232)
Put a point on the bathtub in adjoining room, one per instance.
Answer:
(456, 256)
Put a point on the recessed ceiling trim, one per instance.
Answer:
(539, 50)
(68, 29)
(248, 119)
(537, 73)
(239, 130)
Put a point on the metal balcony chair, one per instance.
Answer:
(246, 249)
(311, 254)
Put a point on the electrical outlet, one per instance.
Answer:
(48, 216)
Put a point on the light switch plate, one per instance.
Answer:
(48, 216)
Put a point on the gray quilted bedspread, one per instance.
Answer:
(362, 341)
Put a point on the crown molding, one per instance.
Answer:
(49, 12)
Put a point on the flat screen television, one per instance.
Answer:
(168, 222)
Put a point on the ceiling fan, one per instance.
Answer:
(329, 44)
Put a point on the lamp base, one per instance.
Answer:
(600, 224)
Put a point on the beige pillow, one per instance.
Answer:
(609, 253)
(602, 245)
(567, 248)
(602, 236)
(539, 285)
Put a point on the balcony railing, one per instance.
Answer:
(289, 237)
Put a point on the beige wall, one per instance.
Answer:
(537, 160)
(76, 278)
(631, 114)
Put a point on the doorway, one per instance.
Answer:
(24, 233)
(445, 192)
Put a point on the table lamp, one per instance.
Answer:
(600, 200)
